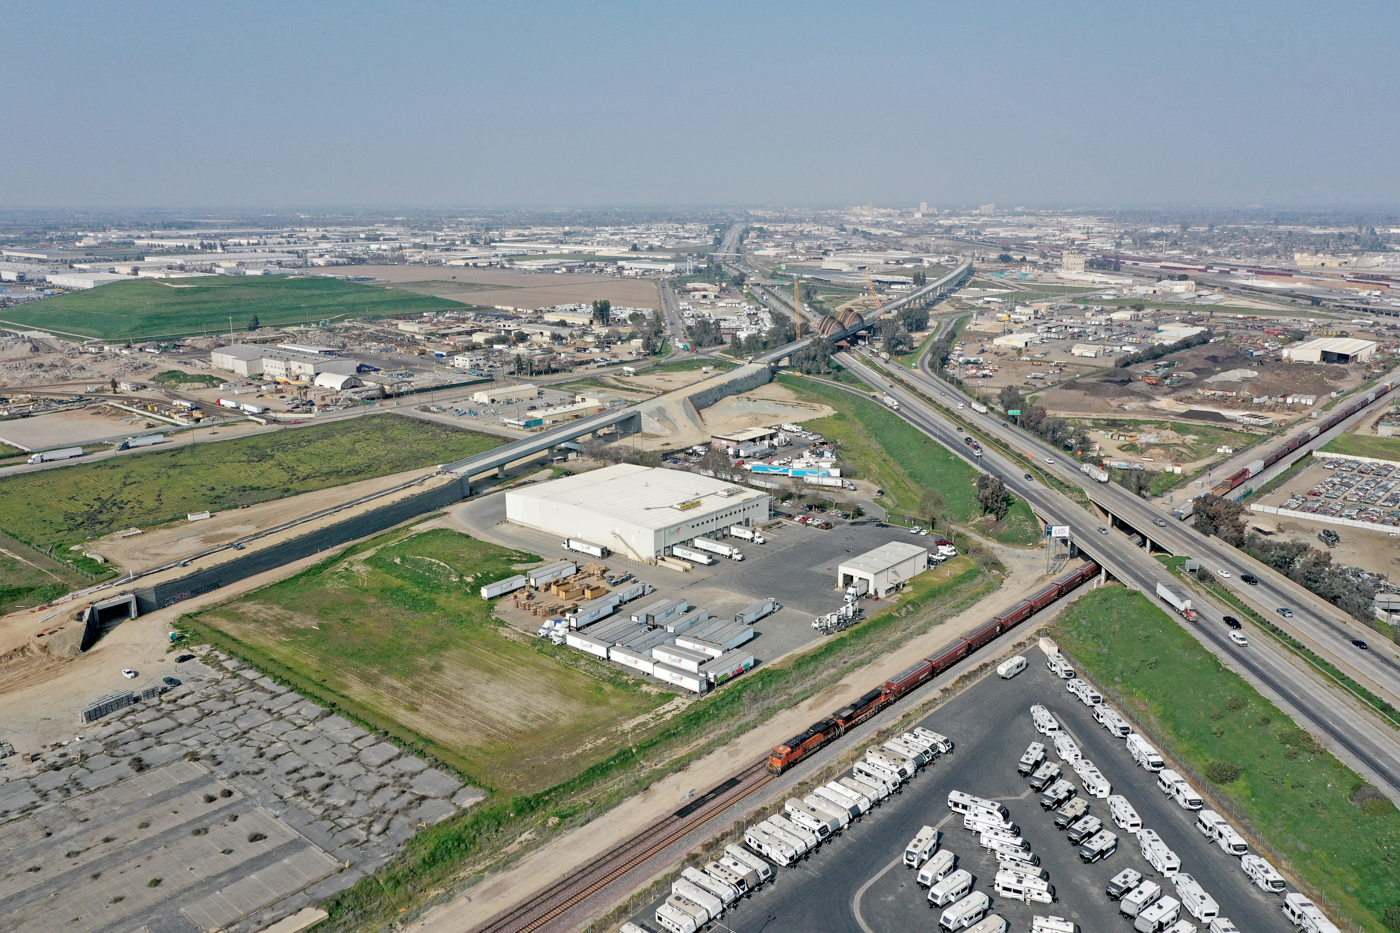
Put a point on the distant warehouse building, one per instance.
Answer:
(639, 511)
(884, 569)
(280, 364)
(1331, 350)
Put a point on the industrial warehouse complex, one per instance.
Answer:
(638, 511)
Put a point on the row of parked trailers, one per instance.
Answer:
(673, 642)
(819, 734)
(1258, 466)
(700, 895)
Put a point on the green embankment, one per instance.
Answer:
(210, 305)
(1316, 815)
(173, 378)
(1361, 445)
(903, 462)
(77, 503)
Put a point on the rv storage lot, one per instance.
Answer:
(857, 883)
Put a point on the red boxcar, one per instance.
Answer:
(1015, 615)
(907, 680)
(983, 635)
(949, 655)
(1045, 597)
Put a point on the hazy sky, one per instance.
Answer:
(292, 104)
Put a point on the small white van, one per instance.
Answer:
(1123, 813)
(1011, 667)
(936, 868)
(965, 912)
(950, 889)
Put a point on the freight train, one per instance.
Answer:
(821, 733)
(1258, 466)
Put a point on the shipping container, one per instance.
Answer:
(584, 547)
(593, 646)
(681, 658)
(681, 624)
(689, 680)
(727, 666)
(633, 659)
(133, 443)
(501, 587)
(558, 570)
(757, 611)
(695, 557)
(593, 610)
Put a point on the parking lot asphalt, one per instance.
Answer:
(856, 881)
(797, 567)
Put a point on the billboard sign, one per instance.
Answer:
(1057, 531)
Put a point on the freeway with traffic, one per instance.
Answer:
(1373, 750)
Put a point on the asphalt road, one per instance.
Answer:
(856, 882)
(1314, 621)
(1371, 749)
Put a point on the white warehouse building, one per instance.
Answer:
(886, 568)
(638, 511)
(1331, 350)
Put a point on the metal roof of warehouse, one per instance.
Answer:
(644, 496)
(1347, 345)
(883, 557)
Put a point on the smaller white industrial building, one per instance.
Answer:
(886, 568)
(1331, 350)
(499, 393)
(638, 511)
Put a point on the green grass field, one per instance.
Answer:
(894, 455)
(77, 503)
(173, 378)
(679, 366)
(1297, 796)
(395, 632)
(152, 307)
(24, 584)
(1361, 445)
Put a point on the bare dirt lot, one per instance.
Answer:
(678, 424)
(516, 289)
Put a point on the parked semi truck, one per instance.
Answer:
(716, 547)
(757, 611)
(1177, 600)
(49, 456)
(747, 534)
(692, 555)
(834, 482)
(583, 547)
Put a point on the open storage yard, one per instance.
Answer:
(1335, 487)
(857, 881)
(59, 506)
(158, 308)
(395, 632)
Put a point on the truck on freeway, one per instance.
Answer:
(891, 401)
(1177, 600)
(133, 443)
(50, 456)
(1097, 474)
(979, 408)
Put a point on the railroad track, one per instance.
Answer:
(622, 858)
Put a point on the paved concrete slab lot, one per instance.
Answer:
(244, 799)
(797, 567)
(857, 883)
